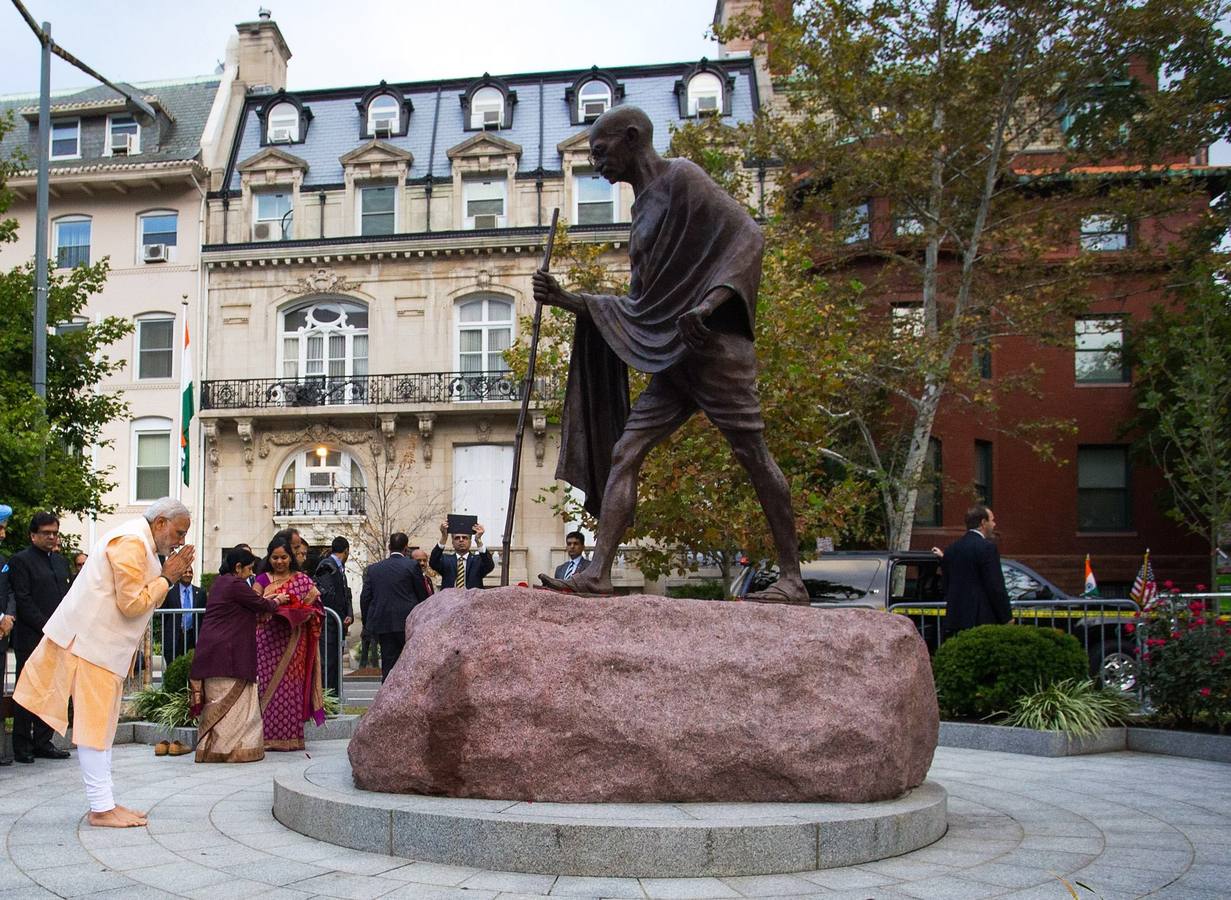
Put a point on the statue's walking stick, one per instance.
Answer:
(526, 388)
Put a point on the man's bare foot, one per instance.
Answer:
(784, 590)
(582, 583)
(133, 812)
(116, 818)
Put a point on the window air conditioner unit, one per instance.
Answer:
(320, 481)
(154, 252)
(262, 231)
(491, 118)
(121, 144)
(280, 135)
(487, 221)
(707, 104)
(383, 127)
(592, 109)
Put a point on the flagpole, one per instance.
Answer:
(184, 364)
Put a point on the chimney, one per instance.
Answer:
(263, 54)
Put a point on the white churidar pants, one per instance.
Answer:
(96, 772)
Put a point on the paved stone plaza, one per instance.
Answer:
(1126, 824)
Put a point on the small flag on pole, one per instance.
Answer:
(187, 407)
(1145, 589)
(1091, 585)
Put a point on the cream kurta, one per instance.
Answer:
(53, 673)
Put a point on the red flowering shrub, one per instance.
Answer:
(1186, 661)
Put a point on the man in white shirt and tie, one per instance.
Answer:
(575, 544)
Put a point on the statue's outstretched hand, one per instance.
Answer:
(548, 291)
(692, 328)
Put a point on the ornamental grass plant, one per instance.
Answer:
(1076, 706)
(981, 672)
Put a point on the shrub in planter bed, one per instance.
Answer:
(1187, 661)
(1076, 706)
(984, 670)
(175, 678)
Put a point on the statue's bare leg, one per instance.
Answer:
(619, 503)
(774, 493)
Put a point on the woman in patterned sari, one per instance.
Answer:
(288, 655)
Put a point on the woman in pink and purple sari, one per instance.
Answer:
(288, 657)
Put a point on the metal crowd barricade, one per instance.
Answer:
(153, 658)
(1113, 650)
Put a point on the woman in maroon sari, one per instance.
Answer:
(288, 651)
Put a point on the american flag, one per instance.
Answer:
(1145, 589)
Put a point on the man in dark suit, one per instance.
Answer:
(391, 589)
(462, 567)
(8, 614)
(39, 579)
(972, 578)
(336, 595)
(419, 555)
(179, 633)
(575, 544)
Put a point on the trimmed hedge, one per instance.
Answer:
(175, 678)
(986, 670)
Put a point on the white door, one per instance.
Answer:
(481, 475)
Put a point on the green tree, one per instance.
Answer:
(44, 446)
(937, 161)
(1183, 386)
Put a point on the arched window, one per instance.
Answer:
(71, 241)
(593, 100)
(325, 338)
(320, 480)
(704, 94)
(282, 123)
(487, 108)
(484, 332)
(384, 116)
(151, 459)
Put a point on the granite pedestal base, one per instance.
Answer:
(658, 840)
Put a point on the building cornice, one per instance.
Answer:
(118, 176)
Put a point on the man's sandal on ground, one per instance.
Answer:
(162, 748)
(178, 749)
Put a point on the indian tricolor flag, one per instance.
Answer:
(187, 407)
(1091, 585)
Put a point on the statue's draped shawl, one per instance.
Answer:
(688, 237)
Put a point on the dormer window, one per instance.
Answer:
(487, 109)
(593, 100)
(66, 139)
(383, 116)
(282, 124)
(704, 95)
(123, 136)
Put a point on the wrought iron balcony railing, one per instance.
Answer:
(351, 501)
(413, 388)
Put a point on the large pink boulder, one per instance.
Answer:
(523, 694)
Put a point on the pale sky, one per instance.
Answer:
(354, 43)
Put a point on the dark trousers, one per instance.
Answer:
(6, 748)
(391, 644)
(29, 731)
(331, 669)
(176, 641)
(367, 650)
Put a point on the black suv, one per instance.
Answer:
(908, 583)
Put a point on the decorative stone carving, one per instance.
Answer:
(210, 427)
(539, 424)
(427, 422)
(483, 279)
(483, 428)
(323, 281)
(317, 433)
(389, 428)
(244, 427)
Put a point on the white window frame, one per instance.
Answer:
(55, 236)
(396, 113)
(1097, 327)
(278, 113)
(274, 222)
(151, 426)
(149, 319)
(705, 84)
(481, 101)
(485, 325)
(142, 243)
(612, 192)
(907, 319)
(397, 204)
(858, 219)
(1103, 233)
(470, 187)
(51, 139)
(136, 143)
(596, 86)
(353, 366)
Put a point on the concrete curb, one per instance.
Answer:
(1006, 739)
(658, 840)
(339, 728)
